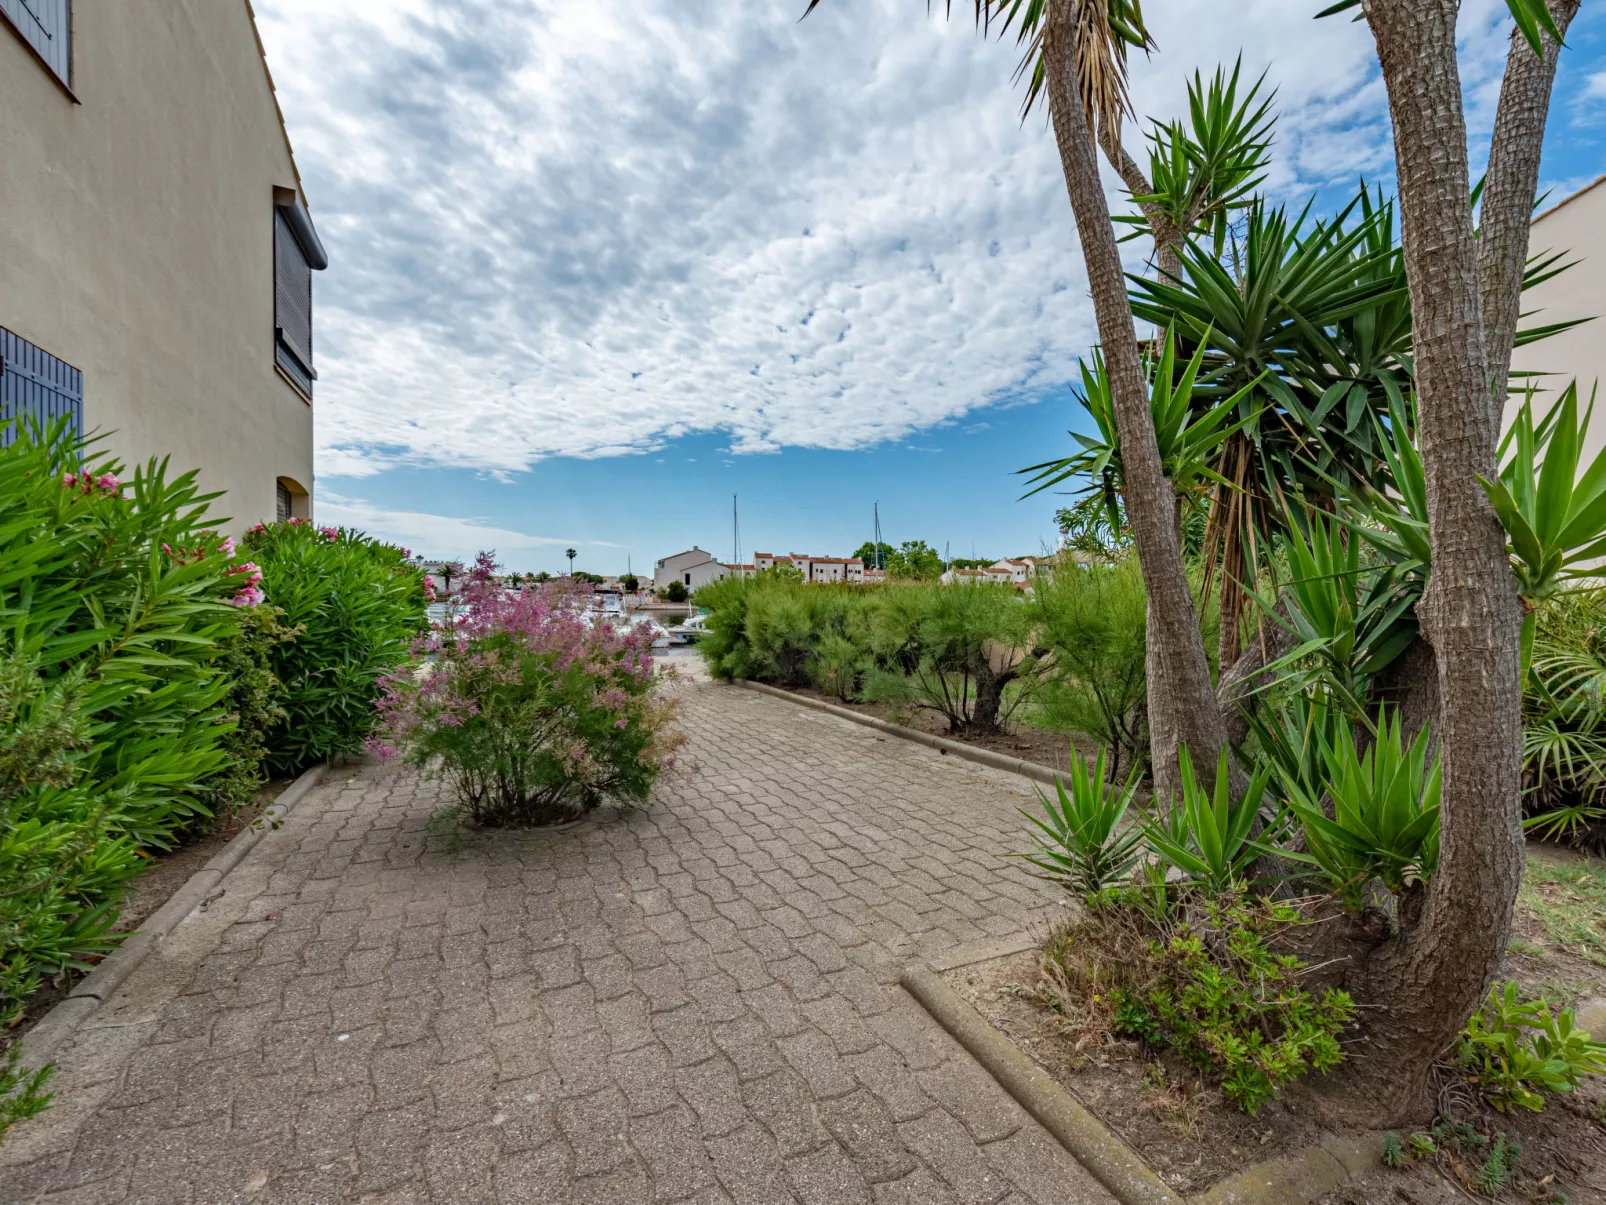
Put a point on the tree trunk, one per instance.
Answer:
(990, 686)
(1421, 987)
(1180, 695)
(1508, 192)
(1240, 680)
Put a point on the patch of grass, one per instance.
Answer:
(1569, 902)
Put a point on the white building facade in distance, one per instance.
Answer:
(815, 568)
(692, 568)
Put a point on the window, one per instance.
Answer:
(34, 384)
(46, 27)
(281, 508)
(297, 253)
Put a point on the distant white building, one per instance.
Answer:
(692, 569)
(1011, 571)
(815, 568)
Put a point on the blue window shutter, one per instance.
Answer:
(46, 25)
(35, 384)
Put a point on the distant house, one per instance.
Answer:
(1011, 571)
(157, 247)
(692, 569)
(815, 568)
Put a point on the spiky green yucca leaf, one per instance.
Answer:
(1204, 169)
(1385, 806)
(1352, 620)
(1209, 836)
(1080, 842)
(1188, 434)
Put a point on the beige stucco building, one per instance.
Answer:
(1576, 225)
(156, 250)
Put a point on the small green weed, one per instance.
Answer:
(448, 823)
(1393, 1152)
(22, 1092)
(1500, 1167)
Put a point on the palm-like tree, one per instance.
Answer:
(571, 554)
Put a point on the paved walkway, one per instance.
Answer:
(691, 1003)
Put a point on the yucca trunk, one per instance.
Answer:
(1181, 699)
(1420, 988)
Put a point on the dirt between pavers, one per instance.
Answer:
(1194, 1138)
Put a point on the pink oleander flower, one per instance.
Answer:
(293, 521)
(251, 596)
(107, 482)
(226, 546)
(68, 480)
(329, 533)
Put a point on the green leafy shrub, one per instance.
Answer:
(966, 653)
(253, 706)
(1201, 979)
(114, 602)
(676, 592)
(1564, 720)
(1520, 1050)
(532, 711)
(1092, 620)
(358, 605)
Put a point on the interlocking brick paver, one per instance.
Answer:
(693, 1003)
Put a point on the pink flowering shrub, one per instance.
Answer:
(533, 707)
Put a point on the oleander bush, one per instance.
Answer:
(115, 601)
(534, 708)
(357, 604)
(254, 708)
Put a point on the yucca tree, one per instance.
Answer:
(1464, 288)
(1075, 59)
(1189, 436)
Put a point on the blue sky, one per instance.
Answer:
(596, 268)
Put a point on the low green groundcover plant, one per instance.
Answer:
(1520, 1050)
(358, 604)
(1197, 973)
(532, 706)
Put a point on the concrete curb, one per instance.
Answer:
(1294, 1179)
(59, 1024)
(985, 757)
(1112, 1163)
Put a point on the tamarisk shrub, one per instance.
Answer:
(534, 707)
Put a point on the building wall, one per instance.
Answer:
(137, 241)
(1576, 225)
(695, 564)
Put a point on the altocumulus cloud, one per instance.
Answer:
(578, 228)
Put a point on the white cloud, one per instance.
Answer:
(1595, 85)
(585, 229)
(436, 535)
